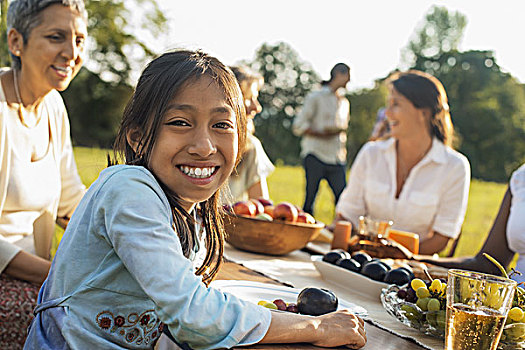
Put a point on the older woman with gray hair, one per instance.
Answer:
(39, 181)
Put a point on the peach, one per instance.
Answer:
(305, 218)
(259, 208)
(269, 210)
(246, 208)
(285, 211)
(265, 201)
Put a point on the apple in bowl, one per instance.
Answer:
(305, 218)
(259, 208)
(285, 211)
(246, 208)
(265, 202)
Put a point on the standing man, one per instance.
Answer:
(322, 123)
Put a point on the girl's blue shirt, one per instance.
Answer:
(120, 274)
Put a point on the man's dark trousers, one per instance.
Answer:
(317, 170)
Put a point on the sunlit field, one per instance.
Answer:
(287, 183)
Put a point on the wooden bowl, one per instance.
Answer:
(268, 237)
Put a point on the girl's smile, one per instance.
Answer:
(197, 144)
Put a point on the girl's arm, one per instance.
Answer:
(495, 245)
(340, 328)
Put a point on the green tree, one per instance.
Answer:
(116, 48)
(487, 105)
(288, 79)
(441, 32)
(117, 29)
(364, 105)
(4, 52)
(97, 96)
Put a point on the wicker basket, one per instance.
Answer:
(268, 237)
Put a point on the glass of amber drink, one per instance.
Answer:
(477, 306)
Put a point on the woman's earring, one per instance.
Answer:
(17, 53)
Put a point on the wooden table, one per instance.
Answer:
(378, 339)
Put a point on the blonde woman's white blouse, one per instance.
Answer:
(434, 196)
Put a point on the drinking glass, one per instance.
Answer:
(372, 228)
(477, 306)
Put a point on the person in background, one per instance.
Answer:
(381, 128)
(125, 272)
(322, 124)
(414, 178)
(248, 180)
(505, 239)
(39, 182)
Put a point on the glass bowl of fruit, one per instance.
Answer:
(513, 336)
(418, 304)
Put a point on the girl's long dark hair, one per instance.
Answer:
(159, 83)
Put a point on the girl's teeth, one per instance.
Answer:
(199, 173)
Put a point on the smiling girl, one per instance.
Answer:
(134, 261)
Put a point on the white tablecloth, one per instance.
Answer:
(297, 270)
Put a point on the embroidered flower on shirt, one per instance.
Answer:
(104, 323)
(119, 321)
(133, 328)
(132, 335)
(144, 320)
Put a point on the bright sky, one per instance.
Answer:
(368, 35)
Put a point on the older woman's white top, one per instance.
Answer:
(434, 196)
(516, 220)
(33, 194)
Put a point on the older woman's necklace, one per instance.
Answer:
(21, 107)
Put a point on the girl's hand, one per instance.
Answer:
(340, 328)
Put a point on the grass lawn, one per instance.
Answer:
(288, 183)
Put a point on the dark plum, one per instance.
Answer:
(375, 270)
(316, 301)
(334, 255)
(399, 276)
(349, 264)
(362, 258)
(409, 270)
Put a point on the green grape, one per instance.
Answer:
(516, 332)
(417, 283)
(432, 318)
(422, 303)
(433, 305)
(515, 314)
(269, 305)
(411, 313)
(441, 319)
(422, 292)
(435, 286)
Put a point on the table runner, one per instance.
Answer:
(297, 270)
